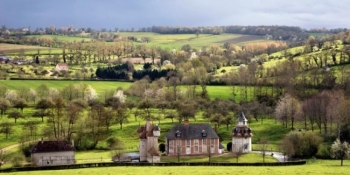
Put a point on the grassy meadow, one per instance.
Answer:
(319, 167)
(63, 38)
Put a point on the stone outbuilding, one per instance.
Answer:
(50, 153)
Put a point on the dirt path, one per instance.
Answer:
(16, 145)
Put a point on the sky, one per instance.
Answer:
(127, 14)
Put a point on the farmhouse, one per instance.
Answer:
(192, 139)
(242, 136)
(61, 66)
(148, 146)
(49, 153)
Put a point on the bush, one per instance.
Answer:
(17, 160)
(304, 145)
(323, 152)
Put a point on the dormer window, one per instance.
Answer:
(177, 133)
(204, 133)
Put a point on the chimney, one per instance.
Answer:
(186, 122)
(216, 128)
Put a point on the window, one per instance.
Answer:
(212, 142)
(196, 145)
(171, 146)
(204, 141)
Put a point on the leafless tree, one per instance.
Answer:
(263, 144)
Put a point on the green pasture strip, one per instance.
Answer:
(44, 52)
(62, 38)
(200, 42)
(220, 92)
(99, 86)
(227, 157)
(93, 156)
(319, 167)
(16, 48)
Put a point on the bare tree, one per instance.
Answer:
(263, 144)
(116, 147)
(288, 108)
(286, 148)
(238, 153)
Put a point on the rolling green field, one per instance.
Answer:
(17, 47)
(99, 86)
(62, 38)
(318, 167)
(176, 41)
(220, 92)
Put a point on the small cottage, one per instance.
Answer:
(50, 153)
(61, 67)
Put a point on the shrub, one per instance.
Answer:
(304, 145)
(323, 152)
(17, 160)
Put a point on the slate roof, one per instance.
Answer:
(192, 131)
(51, 146)
(242, 117)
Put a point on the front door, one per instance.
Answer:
(188, 146)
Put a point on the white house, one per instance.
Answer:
(61, 66)
(148, 146)
(50, 153)
(242, 136)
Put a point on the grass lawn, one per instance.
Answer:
(319, 167)
(227, 157)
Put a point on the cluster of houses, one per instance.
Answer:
(182, 139)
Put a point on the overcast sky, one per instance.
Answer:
(124, 14)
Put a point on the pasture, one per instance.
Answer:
(215, 92)
(99, 86)
(319, 167)
(17, 48)
(63, 38)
